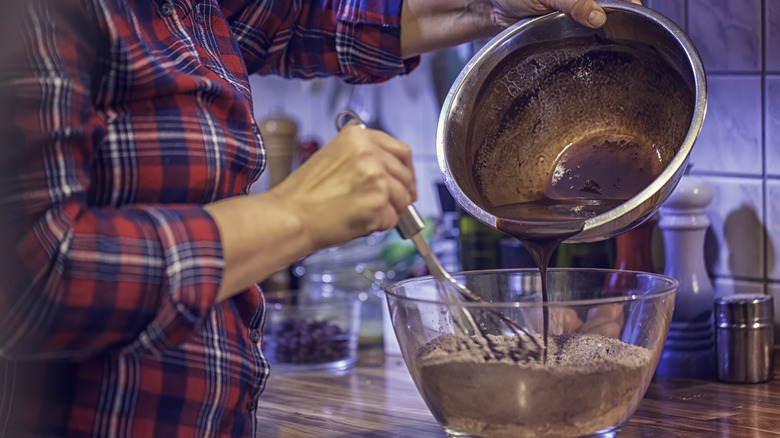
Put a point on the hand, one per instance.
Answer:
(361, 182)
(606, 320)
(585, 12)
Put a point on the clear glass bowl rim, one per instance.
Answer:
(669, 289)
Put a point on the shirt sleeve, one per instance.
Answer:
(80, 279)
(358, 40)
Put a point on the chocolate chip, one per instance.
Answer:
(296, 341)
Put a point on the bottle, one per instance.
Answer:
(480, 245)
(306, 148)
(633, 252)
(446, 245)
(585, 255)
(634, 248)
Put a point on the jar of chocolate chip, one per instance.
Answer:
(744, 337)
(311, 331)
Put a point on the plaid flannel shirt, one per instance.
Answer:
(118, 121)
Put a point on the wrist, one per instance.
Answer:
(428, 25)
(486, 18)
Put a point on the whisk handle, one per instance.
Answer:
(410, 223)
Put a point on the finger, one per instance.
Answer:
(397, 158)
(585, 12)
(402, 173)
(356, 135)
(400, 197)
(397, 148)
(395, 191)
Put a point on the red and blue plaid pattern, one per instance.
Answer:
(118, 121)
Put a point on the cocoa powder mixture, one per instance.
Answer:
(589, 383)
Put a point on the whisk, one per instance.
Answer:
(409, 227)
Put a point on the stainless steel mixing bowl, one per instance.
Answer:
(547, 82)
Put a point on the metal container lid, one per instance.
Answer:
(744, 309)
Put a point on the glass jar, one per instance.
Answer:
(354, 268)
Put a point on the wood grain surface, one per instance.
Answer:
(378, 399)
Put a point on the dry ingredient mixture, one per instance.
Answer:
(589, 383)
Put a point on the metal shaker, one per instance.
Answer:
(745, 337)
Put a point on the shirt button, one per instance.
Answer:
(199, 18)
(254, 336)
(251, 405)
(165, 9)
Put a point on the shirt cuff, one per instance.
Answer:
(368, 41)
(194, 263)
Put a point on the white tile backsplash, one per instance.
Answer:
(736, 214)
(409, 110)
(774, 290)
(728, 286)
(730, 140)
(773, 228)
(312, 104)
(727, 34)
(772, 125)
(672, 9)
(772, 26)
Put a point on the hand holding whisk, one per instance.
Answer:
(409, 227)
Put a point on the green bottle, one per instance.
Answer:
(480, 245)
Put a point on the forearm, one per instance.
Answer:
(428, 25)
(260, 234)
(357, 184)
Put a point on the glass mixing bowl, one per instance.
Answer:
(606, 331)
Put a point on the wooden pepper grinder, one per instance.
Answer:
(690, 346)
(279, 136)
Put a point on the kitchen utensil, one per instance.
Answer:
(409, 226)
(544, 84)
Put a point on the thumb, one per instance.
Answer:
(585, 12)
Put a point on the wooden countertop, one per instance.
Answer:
(378, 399)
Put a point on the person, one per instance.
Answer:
(131, 247)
